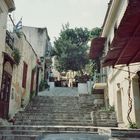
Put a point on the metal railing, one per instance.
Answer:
(9, 40)
(99, 78)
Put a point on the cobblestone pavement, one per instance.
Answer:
(81, 137)
(60, 91)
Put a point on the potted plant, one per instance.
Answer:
(16, 55)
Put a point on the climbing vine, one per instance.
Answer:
(129, 98)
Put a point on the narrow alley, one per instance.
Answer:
(70, 70)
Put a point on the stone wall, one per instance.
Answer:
(104, 118)
(3, 25)
(96, 99)
(19, 93)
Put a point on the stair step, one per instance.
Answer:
(33, 132)
(18, 137)
(39, 122)
(64, 110)
(50, 128)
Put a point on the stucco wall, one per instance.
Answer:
(114, 17)
(37, 37)
(17, 91)
(3, 25)
(120, 76)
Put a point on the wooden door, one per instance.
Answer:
(5, 90)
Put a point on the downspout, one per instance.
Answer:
(37, 81)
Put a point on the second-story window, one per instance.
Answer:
(24, 78)
(1, 11)
(109, 44)
(115, 29)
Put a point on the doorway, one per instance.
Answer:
(136, 95)
(5, 89)
(32, 84)
(119, 107)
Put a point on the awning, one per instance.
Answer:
(125, 47)
(96, 48)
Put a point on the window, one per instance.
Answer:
(0, 14)
(115, 29)
(24, 78)
(108, 44)
(0, 10)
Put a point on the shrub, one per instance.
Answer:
(133, 125)
(43, 85)
(16, 55)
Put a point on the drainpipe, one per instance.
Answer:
(37, 81)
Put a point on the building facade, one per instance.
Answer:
(39, 39)
(18, 66)
(23, 85)
(119, 58)
(6, 63)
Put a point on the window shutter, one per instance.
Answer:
(24, 78)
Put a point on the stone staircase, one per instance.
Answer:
(56, 110)
(66, 110)
(59, 114)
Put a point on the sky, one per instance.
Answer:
(55, 13)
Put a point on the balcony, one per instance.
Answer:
(9, 40)
(99, 81)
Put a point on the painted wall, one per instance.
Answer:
(3, 25)
(39, 39)
(17, 91)
(120, 77)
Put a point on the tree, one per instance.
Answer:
(93, 64)
(95, 32)
(70, 49)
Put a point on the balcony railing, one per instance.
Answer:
(100, 78)
(9, 40)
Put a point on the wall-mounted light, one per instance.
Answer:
(118, 85)
(138, 73)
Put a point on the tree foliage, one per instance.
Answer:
(70, 49)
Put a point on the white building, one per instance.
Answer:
(120, 55)
(40, 41)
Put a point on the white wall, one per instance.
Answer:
(37, 37)
(120, 76)
(29, 57)
(3, 26)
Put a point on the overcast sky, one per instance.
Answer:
(53, 13)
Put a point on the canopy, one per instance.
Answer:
(125, 47)
(96, 48)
